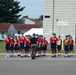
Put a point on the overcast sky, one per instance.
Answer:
(34, 8)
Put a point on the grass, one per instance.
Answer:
(2, 48)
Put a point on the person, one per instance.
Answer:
(44, 46)
(19, 53)
(27, 46)
(65, 43)
(33, 43)
(39, 46)
(12, 46)
(71, 45)
(59, 45)
(53, 44)
(15, 46)
(21, 43)
(7, 46)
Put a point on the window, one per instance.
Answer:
(47, 16)
(2, 32)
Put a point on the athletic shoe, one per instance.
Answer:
(32, 57)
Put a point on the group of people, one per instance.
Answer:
(23, 46)
(56, 44)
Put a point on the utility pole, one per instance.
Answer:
(53, 16)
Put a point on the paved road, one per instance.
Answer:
(40, 66)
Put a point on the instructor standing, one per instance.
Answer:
(33, 43)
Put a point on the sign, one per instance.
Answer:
(62, 23)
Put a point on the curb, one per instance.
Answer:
(46, 54)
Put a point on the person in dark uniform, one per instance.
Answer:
(33, 43)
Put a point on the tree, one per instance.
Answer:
(41, 18)
(9, 11)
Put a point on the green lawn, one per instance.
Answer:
(2, 48)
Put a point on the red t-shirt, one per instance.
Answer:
(40, 40)
(12, 41)
(21, 39)
(53, 39)
(27, 41)
(70, 41)
(45, 42)
(7, 41)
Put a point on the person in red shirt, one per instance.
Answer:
(21, 43)
(16, 41)
(39, 46)
(19, 52)
(12, 46)
(70, 45)
(7, 46)
(53, 44)
(27, 46)
(44, 46)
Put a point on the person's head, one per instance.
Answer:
(33, 34)
(59, 36)
(69, 36)
(66, 36)
(44, 37)
(15, 37)
(54, 34)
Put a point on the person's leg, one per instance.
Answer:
(33, 52)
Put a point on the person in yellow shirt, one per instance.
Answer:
(66, 43)
(59, 45)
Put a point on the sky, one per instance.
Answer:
(33, 8)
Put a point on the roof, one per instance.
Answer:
(34, 20)
(26, 26)
(4, 26)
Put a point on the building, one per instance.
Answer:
(15, 29)
(26, 20)
(59, 17)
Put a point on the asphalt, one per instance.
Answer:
(39, 66)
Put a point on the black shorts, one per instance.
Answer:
(71, 46)
(53, 45)
(39, 47)
(27, 47)
(66, 47)
(22, 45)
(44, 47)
(16, 47)
(7, 46)
(12, 47)
(59, 47)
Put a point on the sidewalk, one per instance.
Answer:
(46, 54)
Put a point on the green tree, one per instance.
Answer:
(9, 11)
(41, 18)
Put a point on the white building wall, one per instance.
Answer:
(64, 11)
(11, 30)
